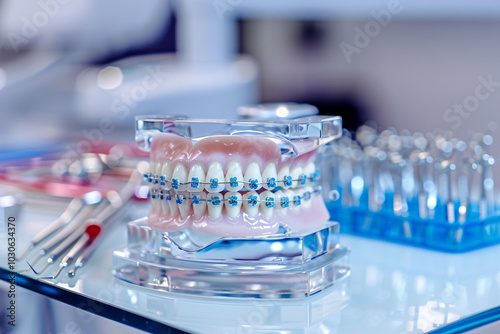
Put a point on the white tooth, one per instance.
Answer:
(199, 204)
(164, 204)
(215, 178)
(251, 203)
(295, 174)
(284, 177)
(253, 178)
(157, 168)
(155, 203)
(289, 194)
(234, 172)
(282, 200)
(269, 176)
(214, 205)
(183, 202)
(295, 198)
(152, 167)
(309, 170)
(166, 175)
(232, 202)
(306, 200)
(179, 176)
(174, 208)
(196, 178)
(267, 204)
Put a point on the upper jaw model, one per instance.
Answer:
(235, 178)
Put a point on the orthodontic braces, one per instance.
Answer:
(214, 183)
(217, 199)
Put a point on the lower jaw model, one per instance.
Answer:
(231, 186)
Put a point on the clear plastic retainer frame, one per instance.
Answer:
(295, 137)
(275, 266)
(286, 264)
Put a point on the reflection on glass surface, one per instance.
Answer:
(399, 289)
(216, 315)
(392, 289)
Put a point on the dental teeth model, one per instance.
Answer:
(236, 210)
(233, 184)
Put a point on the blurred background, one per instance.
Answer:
(82, 70)
(85, 69)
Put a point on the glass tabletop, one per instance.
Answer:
(392, 289)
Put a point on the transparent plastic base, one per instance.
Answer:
(282, 265)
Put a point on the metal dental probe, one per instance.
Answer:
(63, 247)
(82, 259)
(66, 231)
(114, 201)
(91, 232)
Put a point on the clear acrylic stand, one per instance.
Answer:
(288, 262)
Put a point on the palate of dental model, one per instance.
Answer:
(229, 186)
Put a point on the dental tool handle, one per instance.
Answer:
(125, 194)
(91, 232)
(69, 257)
(90, 246)
(68, 230)
(73, 207)
(71, 210)
(82, 259)
(63, 246)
